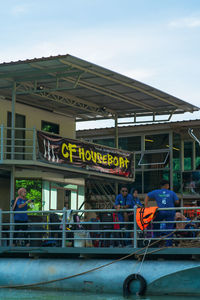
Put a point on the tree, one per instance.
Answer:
(34, 191)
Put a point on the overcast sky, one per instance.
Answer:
(153, 41)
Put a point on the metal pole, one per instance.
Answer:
(171, 160)
(116, 133)
(1, 142)
(142, 149)
(116, 146)
(12, 197)
(135, 227)
(64, 228)
(0, 227)
(34, 143)
(13, 121)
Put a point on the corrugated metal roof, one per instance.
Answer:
(132, 129)
(81, 89)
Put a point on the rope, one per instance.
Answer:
(97, 268)
(143, 257)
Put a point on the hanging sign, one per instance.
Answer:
(55, 149)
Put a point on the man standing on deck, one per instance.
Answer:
(164, 198)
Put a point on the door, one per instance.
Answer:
(19, 149)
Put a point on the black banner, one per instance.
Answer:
(54, 149)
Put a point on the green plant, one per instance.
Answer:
(34, 191)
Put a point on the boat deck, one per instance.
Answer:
(173, 252)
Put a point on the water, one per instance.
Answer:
(12, 294)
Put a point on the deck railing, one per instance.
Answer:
(56, 229)
(17, 143)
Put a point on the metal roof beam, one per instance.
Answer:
(110, 93)
(130, 85)
(101, 90)
(73, 101)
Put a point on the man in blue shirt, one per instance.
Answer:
(123, 201)
(164, 198)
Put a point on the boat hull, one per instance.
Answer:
(162, 277)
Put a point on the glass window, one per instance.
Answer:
(191, 183)
(137, 184)
(137, 159)
(157, 141)
(188, 155)
(153, 158)
(176, 152)
(152, 179)
(50, 127)
(132, 143)
(105, 142)
(177, 182)
(197, 158)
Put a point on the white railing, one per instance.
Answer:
(17, 143)
(57, 229)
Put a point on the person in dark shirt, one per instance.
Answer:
(164, 198)
(122, 201)
(136, 200)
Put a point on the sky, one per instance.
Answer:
(156, 42)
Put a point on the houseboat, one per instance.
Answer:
(41, 101)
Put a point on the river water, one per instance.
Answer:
(12, 294)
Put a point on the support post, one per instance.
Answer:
(116, 146)
(171, 159)
(12, 197)
(34, 143)
(64, 228)
(0, 227)
(13, 121)
(135, 227)
(2, 142)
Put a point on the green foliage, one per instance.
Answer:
(34, 191)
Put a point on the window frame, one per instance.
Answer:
(153, 152)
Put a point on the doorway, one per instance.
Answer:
(19, 146)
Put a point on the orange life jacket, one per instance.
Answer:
(144, 216)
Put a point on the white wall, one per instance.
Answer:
(34, 116)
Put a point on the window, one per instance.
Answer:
(191, 182)
(197, 158)
(176, 152)
(152, 179)
(105, 142)
(177, 182)
(157, 141)
(137, 184)
(50, 127)
(188, 155)
(132, 143)
(153, 158)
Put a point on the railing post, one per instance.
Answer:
(135, 227)
(0, 227)
(34, 143)
(1, 142)
(64, 228)
(12, 197)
